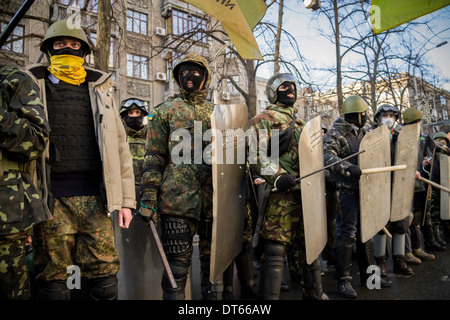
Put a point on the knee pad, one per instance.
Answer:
(176, 236)
(53, 290)
(104, 288)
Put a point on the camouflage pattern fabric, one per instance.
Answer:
(276, 116)
(14, 280)
(336, 146)
(24, 135)
(284, 221)
(80, 234)
(183, 189)
(23, 138)
(136, 140)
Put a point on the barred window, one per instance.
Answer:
(137, 22)
(92, 5)
(90, 58)
(137, 66)
(14, 45)
(183, 24)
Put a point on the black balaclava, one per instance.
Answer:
(67, 50)
(282, 96)
(356, 118)
(134, 123)
(196, 80)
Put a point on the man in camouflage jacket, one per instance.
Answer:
(23, 137)
(283, 226)
(181, 191)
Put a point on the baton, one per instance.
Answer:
(163, 255)
(326, 167)
(434, 184)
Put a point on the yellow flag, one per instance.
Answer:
(238, 18)
(388, 14)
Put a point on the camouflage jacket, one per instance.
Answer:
(24, 134)
(340, 142)
(173, 187)
(276, 116)
(136, 140)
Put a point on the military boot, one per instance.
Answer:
(246, 274)
(410, 258)
(365, 258)
(344, 251)
(429, 240)
(422, 255)
(272, 271)
(401, 267)
(312, 282)
(437, 235)
(381, 263)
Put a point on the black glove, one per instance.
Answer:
(285, 181)
(147, 213)
(354, 171)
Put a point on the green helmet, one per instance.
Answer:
(354, 104)
(63, 28)
(383, 109)
(133, 103)
(411, 114)
(275, 81)
(441, 135)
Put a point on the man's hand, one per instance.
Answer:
(125, 218)
(354, 171)
(147, 213)
(285, 181)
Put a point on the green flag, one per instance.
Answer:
(388, 14)
(238, 18)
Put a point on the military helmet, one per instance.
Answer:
(441, 135)
(133, 103)
(275, 81)
(354, 104)
(383, 109)
(411, 114)
(63, 28)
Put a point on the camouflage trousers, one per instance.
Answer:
(284, 224)
(80, 234)
(14, 280)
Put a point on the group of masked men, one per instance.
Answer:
(70, 160)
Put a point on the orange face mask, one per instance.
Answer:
(68, 68)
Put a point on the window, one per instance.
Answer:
(14, 45)
(137, 66)
(92, 5)
(231, 88)
(90, 58)
(188, 26)
(137, 22)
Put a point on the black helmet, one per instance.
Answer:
(133, 103)
(275, 81)
(383, 109)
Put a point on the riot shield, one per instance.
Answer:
(403, 181)
(228, 124)
(313, 188)
(445, 182)
(141, 269)
(375, 189)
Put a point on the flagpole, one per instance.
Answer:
(219, 52)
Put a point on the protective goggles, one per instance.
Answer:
(390, 108)
(130, 102)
